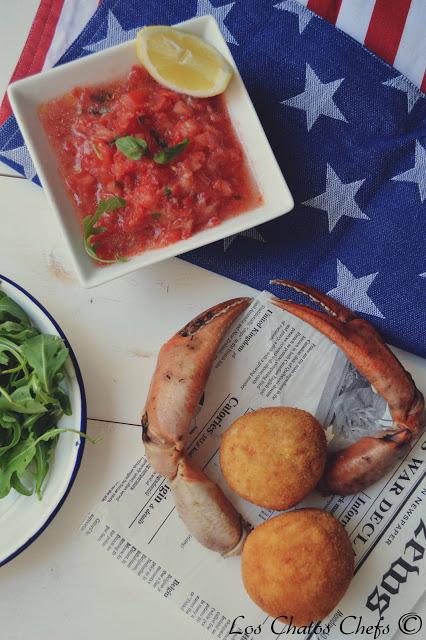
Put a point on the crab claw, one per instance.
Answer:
(360, 465)
(364, 462)
(206, 511)
(183, 366)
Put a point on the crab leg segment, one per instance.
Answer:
(183, 366)
(366, 461)
(206, 511)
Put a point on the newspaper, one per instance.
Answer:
(270, 358)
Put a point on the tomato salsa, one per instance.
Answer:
(149, 165)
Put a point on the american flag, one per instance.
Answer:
(394, 29)
(348, 129)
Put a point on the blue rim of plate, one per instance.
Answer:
(83, 421)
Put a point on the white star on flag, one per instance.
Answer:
(205, 7)
(21, 156)
(418, 173)
(252, 234)
(115, 35)
(352, 291)
(317, 99)
(338, 199)
(304, 15)
(422, 275)
(403, 84)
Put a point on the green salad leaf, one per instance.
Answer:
(33, 399)
(14, 432)
(46, 355)
(10, 310)
(42, 460)
(16, 460)
(20, 401)
(16, 484)
(16, 332)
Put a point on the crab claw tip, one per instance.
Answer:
(331, 306)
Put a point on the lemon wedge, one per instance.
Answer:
(182, 62)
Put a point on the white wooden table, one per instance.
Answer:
(62, 587)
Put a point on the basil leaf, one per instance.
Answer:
(167, 155)
(132, 147)
(89, 229)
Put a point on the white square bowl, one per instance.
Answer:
(28, 94)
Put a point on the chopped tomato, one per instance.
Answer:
(206, 182)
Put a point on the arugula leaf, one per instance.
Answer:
(132, 147)
(16, 484)
(64, 402)
(167, 155)
(34, 387)
(32, 400)
(20, 401)
(90, 230)
(9, 347)
(10, 309)
(43, 450)
(16, 332)
(15, 428)
(30, 421)
(47, 356)
(15, 460)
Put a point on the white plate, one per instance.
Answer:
(23, 518)
(26, 96)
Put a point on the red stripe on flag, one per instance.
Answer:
(423, 85)
(386, 27)
(36, 47)
(328, 9)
